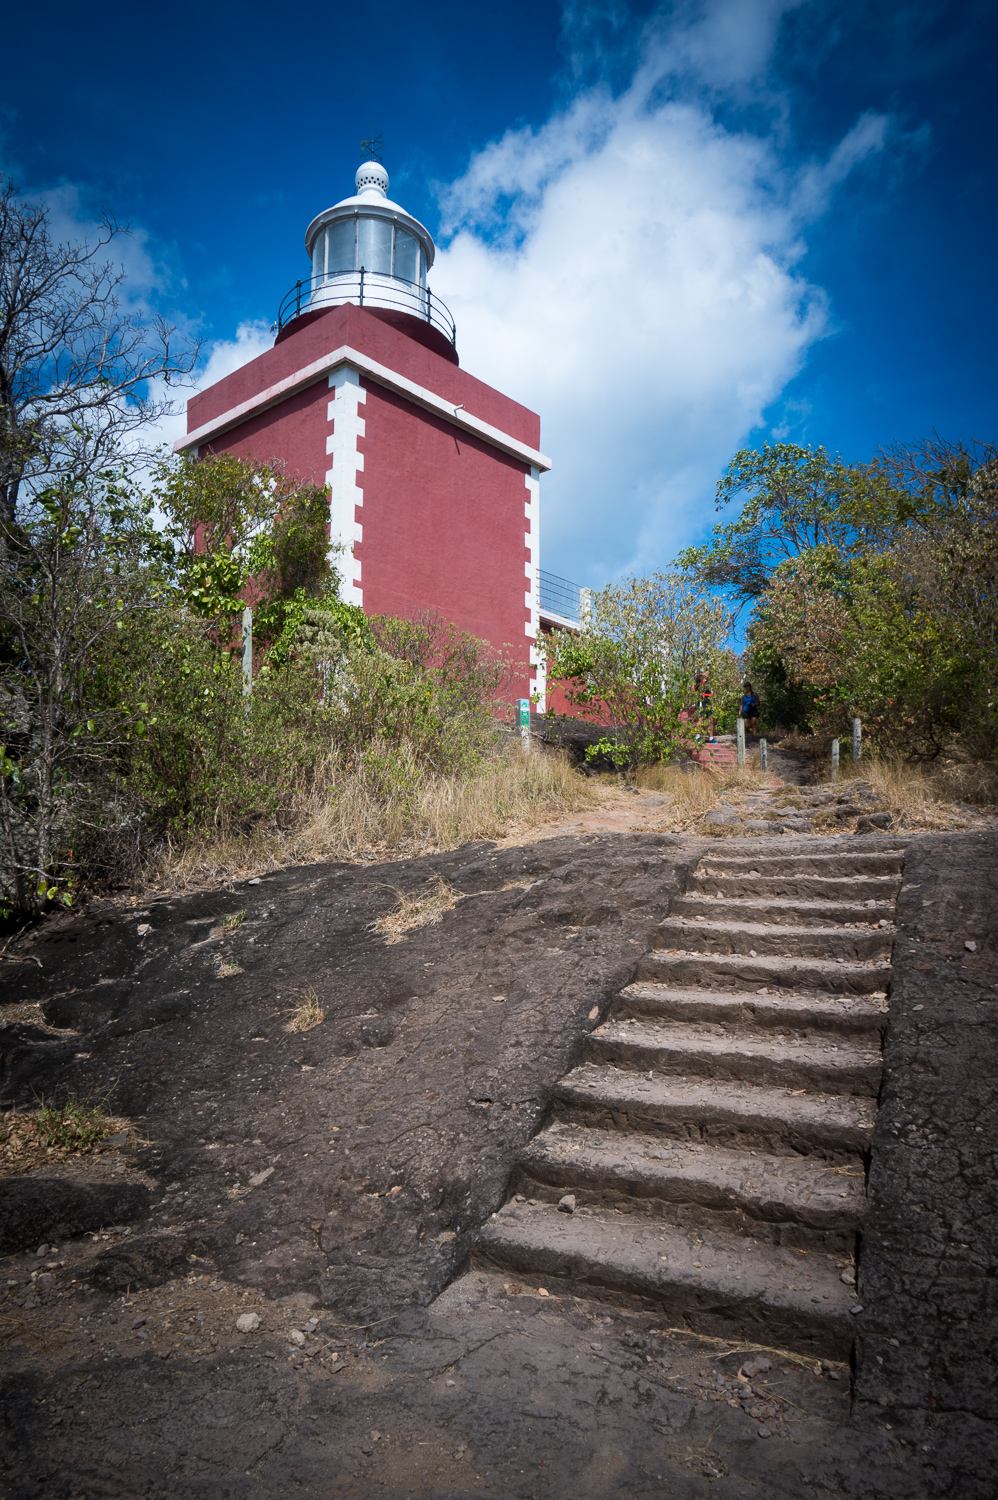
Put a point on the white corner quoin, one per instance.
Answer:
(344, 491)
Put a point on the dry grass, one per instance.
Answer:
(308, 1014)
(355, 819)
(916, 795)
(923, 797)
(951, 777)
(422, 910)
(693, 793)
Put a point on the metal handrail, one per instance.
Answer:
(560, 595)
(377, 289)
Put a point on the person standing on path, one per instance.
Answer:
(750, 708)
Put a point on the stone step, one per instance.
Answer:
(786, 912)
(752, 885)
(717, 1284)
(861, 1016)
(814, 1063)
(738, 1115)
(757, 938)
(741, 971)
(775, 1197)
(807, 861)
(717, 755)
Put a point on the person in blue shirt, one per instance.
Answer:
(750, 708)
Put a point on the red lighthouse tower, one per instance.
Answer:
(433, 475)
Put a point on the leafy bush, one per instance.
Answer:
(636, 663)
(872, 587)
(903, 635)
(84, 574)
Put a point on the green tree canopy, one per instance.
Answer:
(633, 666)
(794, 499)
(244, 533)
(894, 619)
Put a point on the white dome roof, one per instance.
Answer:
(371, 180)
(372, 200)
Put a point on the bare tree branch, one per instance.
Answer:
(75, 363)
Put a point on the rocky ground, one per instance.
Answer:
(264, 1286)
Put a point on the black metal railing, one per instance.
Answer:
(560, 596)
(371, 289)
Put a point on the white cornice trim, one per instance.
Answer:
(565, 622)
(319, 368)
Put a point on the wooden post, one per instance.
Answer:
(523, 705)
(857, 741)
(740, 736)
(835, 760)
(763, 756)
(247, 652)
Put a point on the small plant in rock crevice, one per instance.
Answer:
(76, 1126)
(413, 911)
(308, 1014)
(31, 1138)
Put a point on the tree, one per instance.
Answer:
(113, 633)
(633, 667)
(901, 632)
(245, 532)
(82, 566)
(794, 499)
(79, 556)
(75, 362)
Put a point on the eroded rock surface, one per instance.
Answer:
(128, 1370)
(354, 1161)
(928, 1360)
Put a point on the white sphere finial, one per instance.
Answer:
(371, 180)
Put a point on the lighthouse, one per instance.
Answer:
(433, 475)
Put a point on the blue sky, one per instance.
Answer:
(674, 230)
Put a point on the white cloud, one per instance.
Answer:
(69, 221)
(218, 359)
(818, 180)
(629, 270)
(724, 44)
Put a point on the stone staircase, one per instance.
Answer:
(707, 1157)
(720, 755)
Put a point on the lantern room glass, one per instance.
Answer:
(341, 242)
(374, 243)
(407, 256)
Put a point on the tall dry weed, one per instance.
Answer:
(387, 807)
(920, 796)
(694, 792)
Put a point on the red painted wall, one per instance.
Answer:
(294, 432)
(444, 524)
(443, 517)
